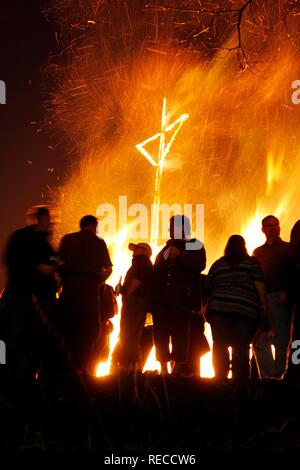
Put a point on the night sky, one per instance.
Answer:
(27, 41)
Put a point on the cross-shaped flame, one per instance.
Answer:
(163, 151)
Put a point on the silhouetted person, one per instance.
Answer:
(293, 290)
(176, 281)
(86, 265)
(273, 257)
(135, 305)
(236, 303)
(31, 281)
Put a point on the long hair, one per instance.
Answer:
(294, 249)
(236, 250)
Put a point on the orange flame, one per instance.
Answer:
(238, 153)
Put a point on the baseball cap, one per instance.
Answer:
(147, 248)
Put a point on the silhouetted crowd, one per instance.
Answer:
(56, 309)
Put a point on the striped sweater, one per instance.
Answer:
(231, 289)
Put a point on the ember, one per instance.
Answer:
(237, 153)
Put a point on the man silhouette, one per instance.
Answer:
(177, 271)
(273, 257)
(85, 266)
(29, 261)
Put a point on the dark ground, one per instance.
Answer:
(120, 414)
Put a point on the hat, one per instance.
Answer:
(144, 246)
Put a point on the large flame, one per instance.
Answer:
(254, 237)
(238, 153)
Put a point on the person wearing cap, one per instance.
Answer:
(135, 301)
(175, 288)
